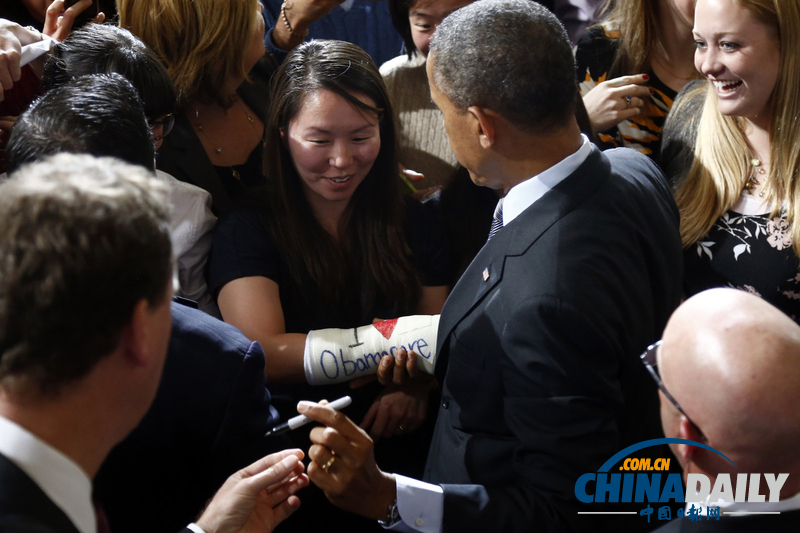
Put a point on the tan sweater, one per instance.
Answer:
(423, 141)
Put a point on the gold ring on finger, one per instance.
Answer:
(327, 465)
(628, 101)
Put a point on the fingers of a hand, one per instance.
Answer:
(51, 17)
(274, 474)
(284, 490)
(6, 83)
(332, 440)
(400, 375)
(329, 417)
(386, 370)
(411, 365)
(54, 9)
(637, 102)
(9, 69)
(642, 91)
(625, 114)
(100, 18)
(634, 79)
(285, 509)
(381, 420)
(320, 454)
(265, 463)
(67, 19)
(369, 418)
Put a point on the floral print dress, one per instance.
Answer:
(751, 252)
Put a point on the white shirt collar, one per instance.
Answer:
(523, 195)
(63, 481)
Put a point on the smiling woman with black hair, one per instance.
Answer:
(333, 244)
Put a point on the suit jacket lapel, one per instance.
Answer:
(486, 270)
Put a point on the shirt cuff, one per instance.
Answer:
(194, 527)
(420, 505)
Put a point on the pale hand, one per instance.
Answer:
(615, 100)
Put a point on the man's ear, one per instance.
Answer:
(484, 125)
(688, 431)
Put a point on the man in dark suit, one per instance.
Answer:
(212, 395)
(85, 289)
(212, 392)
(730, 361)
(539, 340)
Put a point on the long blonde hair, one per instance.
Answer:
(637, 24)
(721, 154)
(200, 42)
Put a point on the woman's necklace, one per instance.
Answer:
(753, 181)
(218, 149)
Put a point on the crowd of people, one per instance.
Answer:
(478, 219)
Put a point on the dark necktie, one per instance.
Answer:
(497, 221)
(102, 520)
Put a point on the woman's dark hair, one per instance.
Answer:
(106, 49)
(372, 257)
(399, 10)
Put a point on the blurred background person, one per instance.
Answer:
(210, 49)
(630, 67)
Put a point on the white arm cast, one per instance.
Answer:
(337, 355)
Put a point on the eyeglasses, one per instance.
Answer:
(651, 363)
(165, 123)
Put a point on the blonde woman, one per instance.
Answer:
(631, 66)
(209, 47)
(739, 188)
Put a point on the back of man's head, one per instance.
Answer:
(732, 362)
(107, 49)
(82, 242)
(100, 115)
(510, 56)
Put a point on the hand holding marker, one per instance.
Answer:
(301, 420)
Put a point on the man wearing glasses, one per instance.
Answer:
(729, 373)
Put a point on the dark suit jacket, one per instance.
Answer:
(788, 521)
(540, 341)
(24, 508)
(207, 421)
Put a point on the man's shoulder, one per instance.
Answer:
(630, 167)
(194, 328)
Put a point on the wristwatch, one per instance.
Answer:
(392, 516)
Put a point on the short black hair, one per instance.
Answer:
(510, 56)
(399, 9)
(100, 114)
(106, 49)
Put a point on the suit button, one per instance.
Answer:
(420, 522)
(446, 404)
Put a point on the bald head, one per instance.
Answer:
(732, 361)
